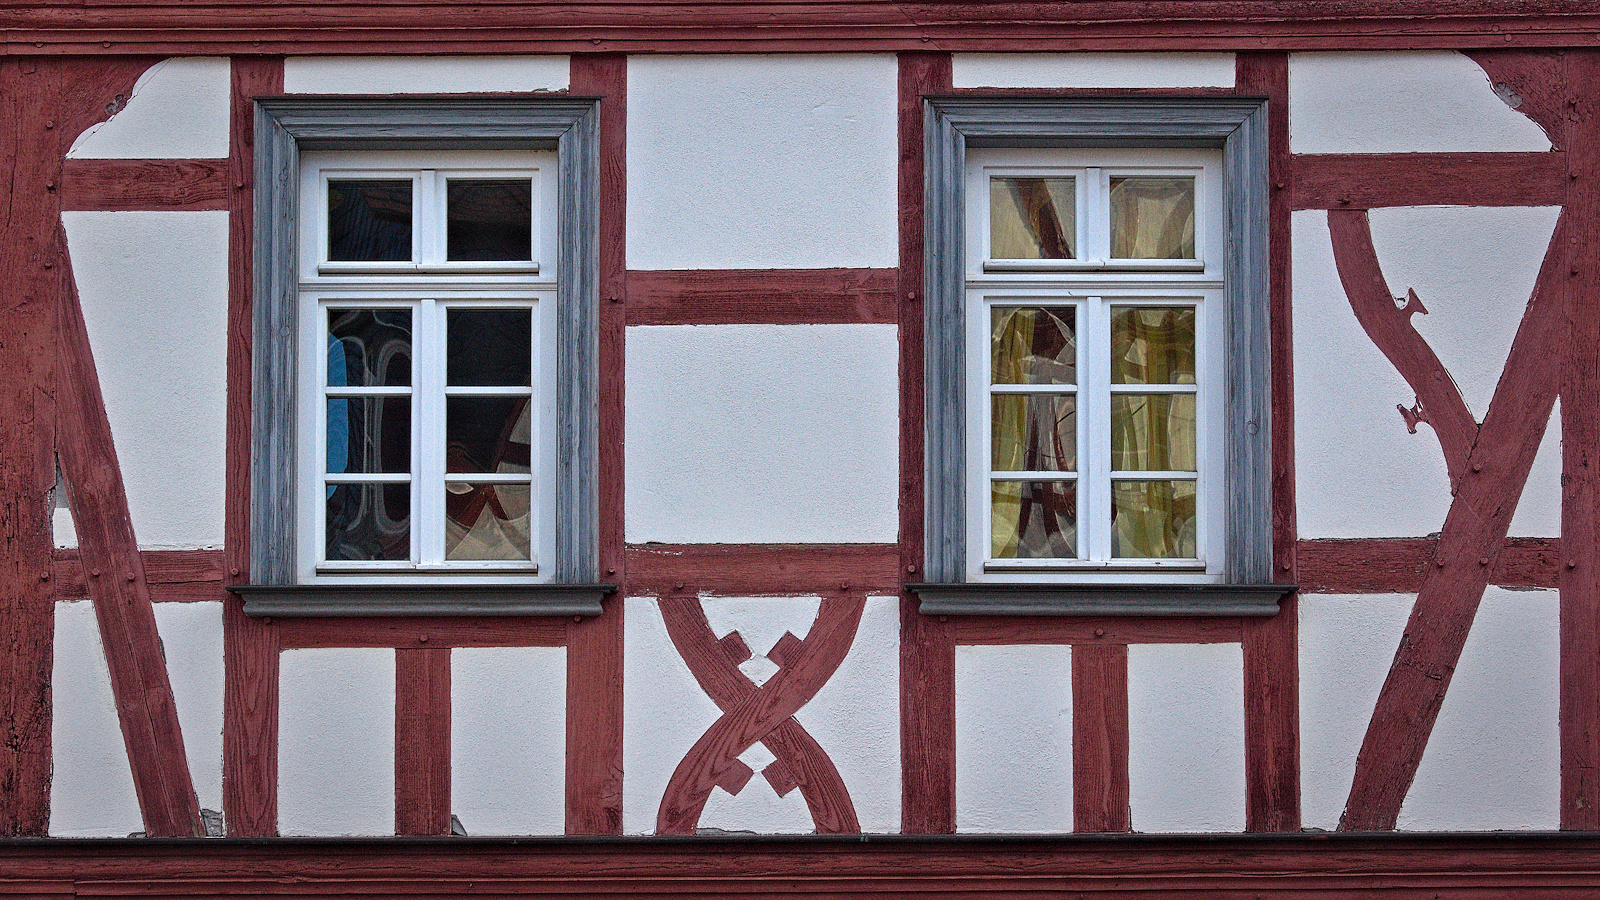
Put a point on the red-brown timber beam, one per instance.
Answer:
(168, 185)
(1372, 180)
(763, 297)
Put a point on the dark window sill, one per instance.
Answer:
(297, 600)
(993, 599)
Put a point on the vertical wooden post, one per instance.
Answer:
(250, 646)
(1271, 646)
(594, 646)
(422, 741)
(927, 646)
(1100, 738)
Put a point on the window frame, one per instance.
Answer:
(1238, 127)
(567, 583)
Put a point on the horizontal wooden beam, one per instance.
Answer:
(762, 569)
(165, 185)
(763, 297)
(422, 632)
(1371, 180)
(173, 575)
(1095, 630)
(1398, 565)
(510, 26)
(1271, 867)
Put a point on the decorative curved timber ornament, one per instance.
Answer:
(1488, 466)
(764, 713)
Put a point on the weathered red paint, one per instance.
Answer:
(800, 761)
(1488, 465)
(250, 645)
(1372, 180)
(1399, 565)
(169, 185)
(594, 645)
(1100, 738)
(420, 631)
(927, 645)
(1094, 630)
(763, 297)
(173, 575)
(746, 570)
(422, 740)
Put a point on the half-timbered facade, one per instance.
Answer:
(832, 449)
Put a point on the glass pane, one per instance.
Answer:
(1153, 520)
(1152, 345)
(489, 347)
(1152, 217)
(369, 347)
(1034, 520)
(369, 221)
(369, 521)
(487, 434)
(1034, 433)
(1152, 433)
(369, 434)
(1032, 218)
(1033, 345)
(490, 219)
(486, 521)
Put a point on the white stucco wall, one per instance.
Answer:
(762, 434)
(1186, 737)
(1400, 102)
(1091, 70)
(424, 74)
(665, 712)
(753, 162)
(1014, 738)
(508, 739)
(1493, 761)
(1359, 473)
(91, 788)
(154, 290)
(336, 742)
(179, 109)
(191, 641)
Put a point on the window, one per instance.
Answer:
(424, 387)
(1097, 418)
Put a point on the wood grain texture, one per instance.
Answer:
(174, 576)
(117, 586)
(927, 645)
(1489, 468)
(594, 645)
(1093, 630)
(1100, 738)
(422, 741)
(1371, 180)
(167, 185)
(227, 26)
(799, 761)
(763, 297)
(753, 570)
(713, 761)
(1399, 565)
(1481, 866)
(1271, 646)
(1535, 81)
(419, 631)
(250, 646)
(1579, 578)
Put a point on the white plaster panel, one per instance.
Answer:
(665, 712)
(508, 739)
(762, 434)
(1494, 760)
(62, 529)
(1473, 269)
(1092, 70)
(762, 162)
(424, 74)
(191, 642)
(1347, 642)
(91, 791)
(1400, 102)
(1014, 739)
(179, 109)
(336, 742)
(1186, 737)
(154, 289)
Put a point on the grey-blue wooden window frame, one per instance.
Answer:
(1236, 125)
(283, 128)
